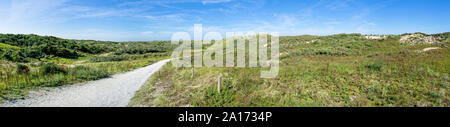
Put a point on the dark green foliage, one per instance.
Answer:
(324, 51)
(125, 57)
(28, 47)
(145, 47)
(35, 46)
(375, 66)
(22, 69)
(445, 35)
(87, 73)
(52, 68)
(56, 51)
(11, 53)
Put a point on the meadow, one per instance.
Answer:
(343, 70)
(32, 62)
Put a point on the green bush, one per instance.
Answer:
(26, 48)
(87, 73)
(222, 99)
(12, 53)
(144, 48)
(52, 68)
(375, 66)
(125, 57)
(108, 58)
(22, 69)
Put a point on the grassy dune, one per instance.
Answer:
(32, 62)
(338, 70)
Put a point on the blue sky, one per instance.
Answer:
(141, 20)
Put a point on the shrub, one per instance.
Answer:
(11, 53)
(22, 69)
(52, 68)
(375, 66)
(87, 73)
(108, 58)
(436, 94)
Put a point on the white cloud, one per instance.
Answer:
(338, 4)
(29, 16)
(147, 33)
(214, 1)
(366, 27)
(100, 34)
(161, 18)
(170, 17)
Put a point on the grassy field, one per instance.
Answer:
(344, 70)
(25, 63)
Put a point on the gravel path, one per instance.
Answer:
(115, 91)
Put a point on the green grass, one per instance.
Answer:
(342, 70)
(15, 85)
(31, 62)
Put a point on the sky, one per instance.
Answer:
(145, 20)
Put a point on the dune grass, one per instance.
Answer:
(343, 70)
(15, 85)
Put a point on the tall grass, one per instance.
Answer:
(15, 84)
(370, 73)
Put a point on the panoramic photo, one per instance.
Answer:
(224, 53)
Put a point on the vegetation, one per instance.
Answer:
(12, 53)
(144, 48)
(338, 70)
(22, 69)
(30, 62)
(52, 68)
(26, 48)
(126, 57)
(88, 73)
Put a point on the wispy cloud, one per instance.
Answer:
(28, 16)
(214, 1)
(338, 4)
(170, 17)
(147, 32)
(157, 19)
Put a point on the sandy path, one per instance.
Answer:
(115, 91)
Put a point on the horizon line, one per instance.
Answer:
(225, 38)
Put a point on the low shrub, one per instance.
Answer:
(107, 58)
(375, 66)
(52, 68)
(87, 73)
(125, 57)
(22, 69)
